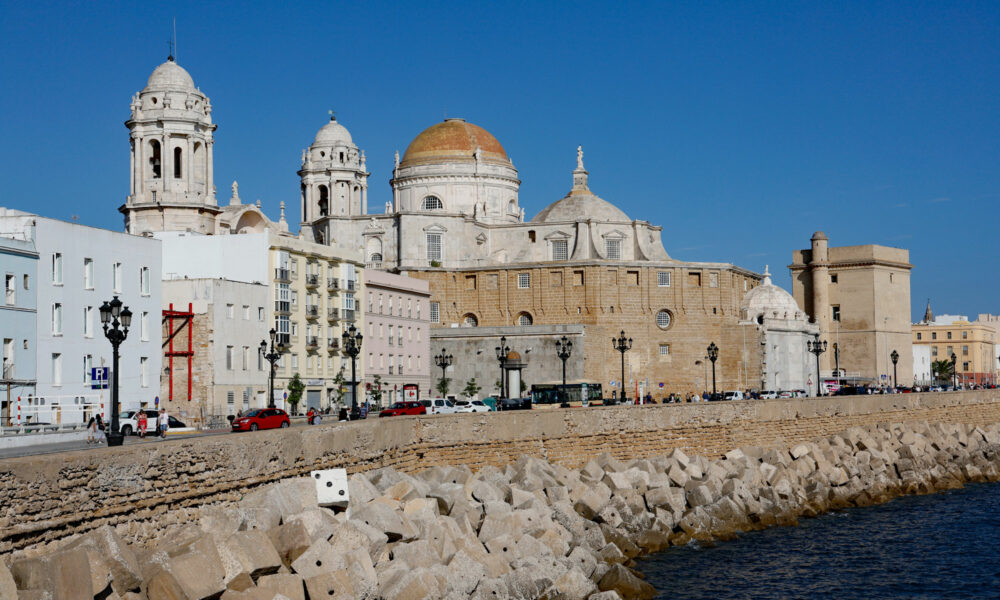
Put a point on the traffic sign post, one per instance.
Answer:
(99, 378)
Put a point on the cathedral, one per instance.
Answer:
(455, 219)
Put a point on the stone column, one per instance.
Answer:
(131, 170)
(819, 266)
(364, 199)
(190, 165)
(209, 186)
(166, 164)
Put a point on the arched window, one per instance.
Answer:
(511, 208)
(663, 319)
(470, 320)
(375, 258)
(154, 158)
(524, 319)
(177, 163)
(324, 201)
(432, 203)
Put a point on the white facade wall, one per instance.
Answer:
(240, 257)
(67, 340)
(922, 363)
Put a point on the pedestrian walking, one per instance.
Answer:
(91, 430)
(141, 422)
(310, 415)
(99, 430)
(164, 423)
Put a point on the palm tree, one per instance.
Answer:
(942, 370)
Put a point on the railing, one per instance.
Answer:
(333, 344)
(373, 265)
(348, 314)
(312, 311)
(54, 413)
(312, 280)
(333, 284)
(281, 275)
(332, 314)
(312, 342)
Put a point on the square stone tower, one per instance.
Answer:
(860, 297)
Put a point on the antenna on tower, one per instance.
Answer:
(175, 38)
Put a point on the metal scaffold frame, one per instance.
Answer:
(170, 316)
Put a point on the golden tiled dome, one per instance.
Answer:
(453, 139)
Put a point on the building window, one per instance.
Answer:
(229, 358)
(713, 280)
(144, 281)
(246, 312)
(833, 278)
(88, 273)
(56, 369)
(560, 249)
(523, 280)
(919, 335)
(470, 284)
(694, 280)
(295, 361)
(57, 268)
(836, 312)
(524, 319)
(613, 249)
(177, 163)
(26, 281)
(246, 358)
(143, 380)
(951, 350)
(295, 267)
(432, 203)
(933, 335)
(632, 277)
(88, 321)
(664, 349)
(10, 285)
(890, 277)
(435, 312)
(556, 278)
(934, 350)
(577, 277)
(434, 247)
(88, 364)
(230, 399)
(468, 321)
(663, 319)
(57, 319)
(965, 350)
(663, 278)
(116, 277)
(260, 314)
(965, 335)
(949, 335)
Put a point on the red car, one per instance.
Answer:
(262, 418)
(404, 408)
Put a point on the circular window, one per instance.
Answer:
(154, 100)
(663, 319)
(524, 319)
(470, 321)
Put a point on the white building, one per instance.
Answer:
(922, 374)
(79, 269)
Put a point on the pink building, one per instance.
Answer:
(397, 337)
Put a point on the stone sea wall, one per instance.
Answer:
(533, 529)
(143, 488)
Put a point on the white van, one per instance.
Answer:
(439, 406)
(733, 396)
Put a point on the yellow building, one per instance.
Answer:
(315, 288)
(973, 344)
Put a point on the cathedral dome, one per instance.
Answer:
(333, 134)
(769, 300)
(451, 140)
(170, 76)
(581, 206)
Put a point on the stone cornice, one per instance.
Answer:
(852, 264)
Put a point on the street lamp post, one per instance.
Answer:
(563, 348)
(502, 351)
(836, 359)
(817, 348)
(115, 320)
(895, 359)
(443, 361)
(623, 345)
(272, 358)
(352, 346)
(954, 370)
(713, 355)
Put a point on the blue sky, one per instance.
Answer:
(741, 128)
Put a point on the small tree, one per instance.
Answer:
(377, 389)
(442, 386)
(524, 388)
(942, 370)
(295, 389)
(471, 388)
(338, 383)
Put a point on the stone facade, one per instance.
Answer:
(974, 345)
(860, 297)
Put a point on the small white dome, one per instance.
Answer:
(770, 300)
(333, 134)
(170, 76)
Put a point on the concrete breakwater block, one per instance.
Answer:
(331, 488)
(532, 529)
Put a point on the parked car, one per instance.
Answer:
(128, 424)
(410, 407)
(439, 406)
(471, 406)
(262, 418)
(515, 404)
(768, 395)
(737, 395)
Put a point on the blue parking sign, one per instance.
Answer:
(99, 378)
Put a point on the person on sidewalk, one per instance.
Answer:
(142, 422)
(99, 430)
(164, 423)
(91, 430)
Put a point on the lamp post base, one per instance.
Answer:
(115, 439)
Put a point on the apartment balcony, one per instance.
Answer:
(312, 342)
(282, 275)
(312, 312)
(332, 314)
(374, 265)
(348, 315)
(333, 285)
(333, 344)
(284, 308)
(312, 280)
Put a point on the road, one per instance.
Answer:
(129, 441)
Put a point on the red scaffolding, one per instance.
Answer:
(187, 321)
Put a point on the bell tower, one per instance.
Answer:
(171, 136)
